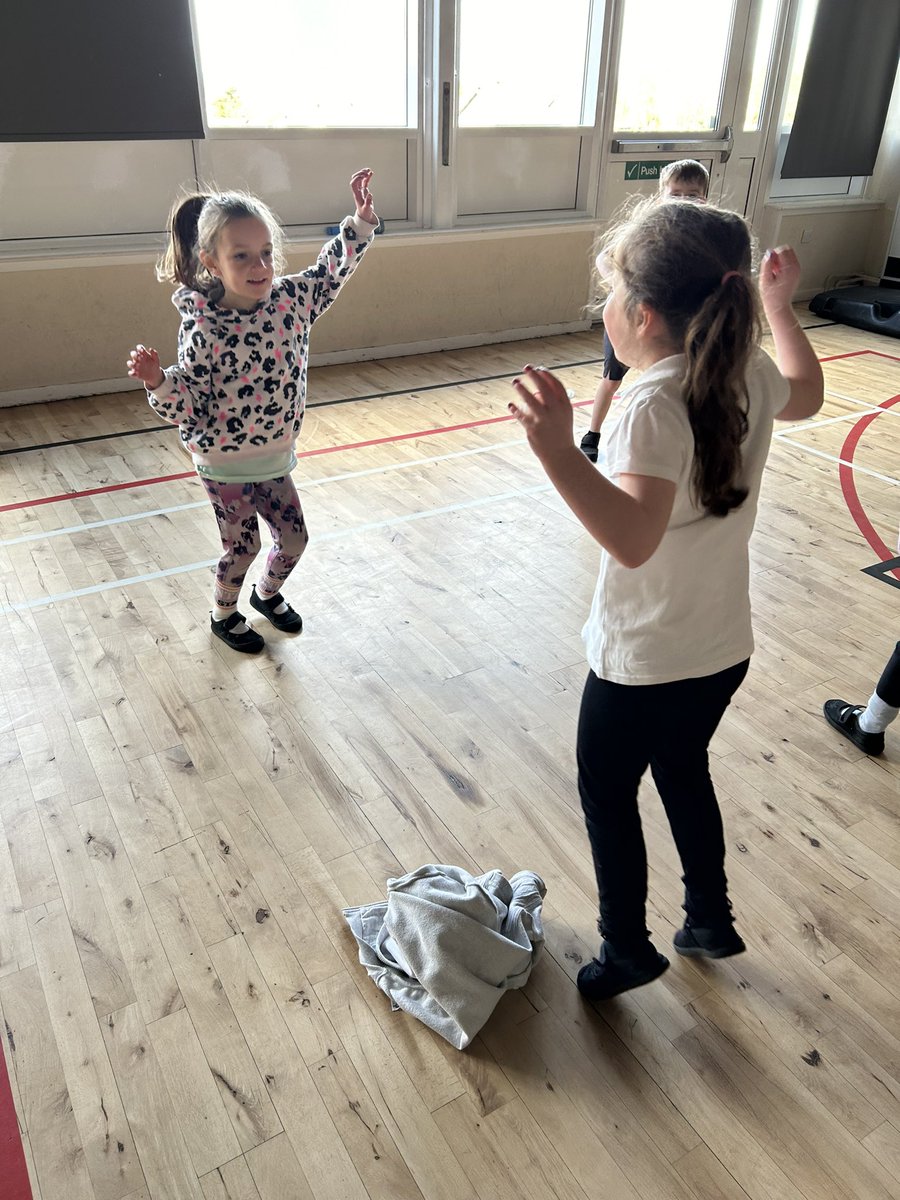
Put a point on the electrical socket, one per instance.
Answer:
(806, 236)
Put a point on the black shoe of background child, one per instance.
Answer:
(695, 941)
(248, 642)
(845, 719)
(590, 445)
(288, 621)
(611, 974)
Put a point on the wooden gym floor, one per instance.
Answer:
(185, 1015)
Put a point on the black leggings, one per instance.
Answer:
(623, 729)
(888, 687)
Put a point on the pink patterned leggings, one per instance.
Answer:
(238, 507)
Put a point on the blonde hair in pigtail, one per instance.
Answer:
(692, 264)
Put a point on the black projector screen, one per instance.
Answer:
(97, 70)
(846, 89)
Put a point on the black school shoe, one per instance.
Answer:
(607, 976)
(845, 719)
(590, 446)
(695, 941)
(287, 622)
(248, 642)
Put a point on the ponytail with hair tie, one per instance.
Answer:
(195, 224)
(181, 261)
(672, 257)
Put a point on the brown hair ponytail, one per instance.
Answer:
(194, 225)
(691, 264)
(717, 345)
(181, 261)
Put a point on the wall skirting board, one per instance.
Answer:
(104, 387)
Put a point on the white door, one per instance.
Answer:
(693, 79)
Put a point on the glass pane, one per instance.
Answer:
(283, 63)
(802, 38)
(671, 65)
(522, 64)
(761, 57)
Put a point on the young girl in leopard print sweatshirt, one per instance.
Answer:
(238, 390)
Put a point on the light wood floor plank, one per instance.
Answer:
(182, 826)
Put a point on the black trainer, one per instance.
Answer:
(694, 941)
(248, 642)
(590, 445)
(607, 976)
(845, 719)
(288, 621)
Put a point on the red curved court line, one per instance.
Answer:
(848, 483)
(13, 1169)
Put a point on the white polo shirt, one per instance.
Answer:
(686, 612)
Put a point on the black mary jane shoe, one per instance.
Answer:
(844, 717)
(288, 621)
(248, 642)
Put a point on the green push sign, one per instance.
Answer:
(639, 171)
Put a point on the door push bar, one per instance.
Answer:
(724, 145)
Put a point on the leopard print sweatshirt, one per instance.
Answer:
(238, 390)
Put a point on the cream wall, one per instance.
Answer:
(840, 237)
(74, 324)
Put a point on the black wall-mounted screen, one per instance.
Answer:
(846, 89)
(94, 70)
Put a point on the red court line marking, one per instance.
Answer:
(13, 1169)
(857, 353)
(848, 484)
(397, 437)
(113, 487)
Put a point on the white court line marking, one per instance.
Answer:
(843, 462)
(301, 486)
(43, 601)
(852, 416)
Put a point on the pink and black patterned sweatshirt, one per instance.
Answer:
(238, 391)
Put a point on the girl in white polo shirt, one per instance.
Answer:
(668, 638)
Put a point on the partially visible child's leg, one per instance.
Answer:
(884, 703)
(239, 533)
(603, 398)
(683, 729)
(865, 726)
(278, 504)
(613, 374)
(613, 752)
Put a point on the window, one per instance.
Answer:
(844, 185)
(302, 63)
(761, 59)
(671, 65)
(527, 68)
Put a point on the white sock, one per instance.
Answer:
(877, 716)
(222, 614)
(279, 608)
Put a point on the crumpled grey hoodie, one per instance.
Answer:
(447, 944)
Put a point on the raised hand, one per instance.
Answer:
(544, 410)
(365, 205)
(779, 274)
(143, 364)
